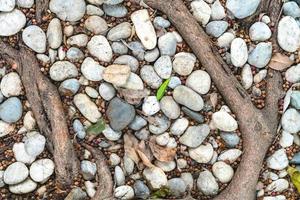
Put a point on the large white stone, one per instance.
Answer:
(99, 47)
(68, 10)
(35, 38)
(11, 22)
(288, 36)
(201, 11)
(239, 52)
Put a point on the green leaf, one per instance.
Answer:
(162, 89)
(97, 128)
(161, 193)
(295, 177)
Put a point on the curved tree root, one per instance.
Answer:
(47, 109)
(258, 127)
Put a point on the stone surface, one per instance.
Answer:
(169, 107)
(230, 155)
(35, 38)
(88, 169)
(293, 74)
(150, 106)
(217, 11)
(121, 31)
(11, 110)
(7, 5)
(187, 97)
(242, 8)
(141, 190)
(62, 70)
(11, 22)
(202, 154)
(159, 125)
(34, 143)
(155, 177)
(201, 11)
(68, 10)
(290, 121)
(194, 135)
(199, 81)
(167, 44)
(95, 24)
(288, 35)
(124, 192)
(41, 170)
(15, 173)
(179, 126)
(222, 171)
(150, 77)
(216, 28)
(207, 183)
(184, 63)
(115, 10)
(107, 91)
(163, 67)
(177, 186)
(110, 134)
(11, 85)
(239, 52)
(54, 33)
(118, 75)
(99, 47)
(261, 55)
(259, 31)
(91, 69)
(278, 160)
(224, 121)
(21, 155)
(25, 187)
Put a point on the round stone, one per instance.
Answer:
(7, 5)
(239, 52)
(11, 110)
(216, 28)
(121, 31)
(88, 169)
(34, 143)
(150, 105)
(54, 33)
(15, 173)
(91, 69)
(222, 171)
(207, 183)
(96, 25)
(288, 35)
(194, 135)
(41, 170)
(11, 84)
(202, 154)
(62, 70)
(163, 67)
(177, 186)
(184, 63)
(155, 177)
(199, 81)
(21, 155)
(169, 107)
(290, 121)
(107, 91)
(259, 31)
(124, 192)
(68, 10)
(187, 97)
(242, 8)
(224, 121)
(99, 47)
(11, 22)
(167, 44)
(179, 126)
(201, 11)
(35, 38)
(25, 187)
(150, 77)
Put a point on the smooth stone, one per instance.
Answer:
(242, 8)
(167, 44)
(95, 24)
(34, 143)
(131, 61)
(217, 11)
(76, 194)
(121, 31)
(290, 120)
(296, 159)
(87, 107)
(261, 55)
(155, 177)
(25, 3)
(163, 67)
(88, 169)
(29, 121)
(79, 40)
(286, 139)
(177, 186)
(54, 33)
(25, 187)
(202, 154)
(117, 74)
(161, 124)
(35, 38)
(295, 99)
(128, 165)
(11, 85)
(138, 123)
(288, 35)
(68, 10)
(166, 166)
(195, 135)
(21, 155)
(120, 114)
(137, 50)
(124, 192)
(113, 2)
(119, 176)
(230, 155)
(247, 76)
(224, 41)
(150, 106)
(91, 92)
(114, 159)
(115, 10)
(142, 134)
(199, 81)
(169, 107)
(163, 139)
(91, 69)
(239, 52)
(172, 143)
(222, 171)
(259, 31)
(216, 28)
(79, 129)
(150, 77)
(11, 22)
(151, 55)
(90, 188)
(207, 183)
(279, 185)
(11, 110)
(141, 190)
(231, 139)
(94, 10)
(224, 121)
(107, 91)
(179, 126)
(183, 63)
(291, 8)
(159, 22)
(99, 47)
(134, 82)
(293, 74)
(7, 5)
(74, 54)
(187, 97)
(174, 82)
(15, 173)
(278, 160)
(188, 180)
(201, 11)
(110, 134)
(41, 170)
(62, 70)
(119, 48)
(69, 87)
(144, 28)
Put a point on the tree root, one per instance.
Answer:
(41, 9)
(47, 109)
(258, 127)
(105, 182)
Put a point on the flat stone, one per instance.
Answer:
(225, 40)
(91, 69)
(261, 55)
(163, 67)
(202, 154)
(259, 31)
(231, 139)
(216, 28)
(107, 91)
(230, 155)
(25, 187)
(35, 38)
(74, 54)
(151, 55)
(187, 97)
(296, 159)
(111, 134)
(295, 99)
(193, 115)
(121, 31)
(150, 77)
(11, 22)
(7, 5)
(138, 123)
(79, 129)
(119, 176)
(119, 48)
(116, 74)
(278, 160)
(62, 70)
(286, 139)
(99, 47)
(239, 52)
(41, 170)
(69, 87)
(169, 107)
(25, 3)
(207, 183)
(247, 76)
(217, 11)
(167, 44)
(160, 22)
(94, 10)
(279, 185)
(96, 25)
(131, 61)
(155, 177)
(11, 110)
(199, 81)
(242, 8)
(194, 135)
(118, 10)
(290, 121)
(15, 173)
(68, 10)
(184, 63)
(288, 35)
(177, 186)
(141, 190)
(160, 124)
(134, 82)
(34, 143)
(54, 33)
(79, 40)
(76, 194)
(21, 155)
(179, 126)
(291, 8)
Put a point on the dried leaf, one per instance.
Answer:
(130, 146)
(97, 128)
(145, 159)
(144, 154)
(162, 89)
(163, 154)
(295, 177)
(280, 62)
(133, 96)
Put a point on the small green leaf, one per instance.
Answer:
(162, 89)
(161, 193)
(295, 177)
(97, 128)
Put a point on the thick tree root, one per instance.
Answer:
(258, 127)
(47, 109)
(105, 182)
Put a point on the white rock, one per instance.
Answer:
(68, 10)
(230, 155)
(155, 177)
(124, 192)
(184, 63)
(90, 188)
(107, 91)
(62, 70)
(163, 139)
(134, 82)
(91, 69)
(259, 31)
(119, 176)
(242, 8)
(225, 39)
(239, 52)
(224, 121)
(202, 154)
(114, 159)
(166, 166)
(34, 143)
(95, 24)
(25, 3)
(169, 107)
(286, 139)
(99, 47)
(201, 11)
(288, 35)
(7, 5)
(179, 126)
(54, 33)
(290, 121)
(6, 128)
(217, 11)
(87, 107)
(261, 55)
(207, 183)
(150, 105)
(2, 184)
(199, 81)
(278, 186)
(41, 170)
(11, 22)
(25, 187)
(163, 67)
(195, 135)
(88, 169)
(187, 97)
(293, 74)
(11, 85)
(261, 75)
(222, 171)
(35, 38)
(278, 160)
(29, 121)
(21, 155)
(94, 10)
(144, 28)
(79, 40)
(15, 173)
(247, 77)
(110, 134)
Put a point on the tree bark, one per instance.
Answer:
(258, 127)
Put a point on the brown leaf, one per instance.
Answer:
(133, 96)
(280, 62)
(130, 146)
(163, 154)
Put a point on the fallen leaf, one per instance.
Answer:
(133, 97)
(162, 89)
(130, 145)
(164, 154)
(96, 128)
(280, 62)
(295, 177)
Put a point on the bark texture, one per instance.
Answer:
(258, 127)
